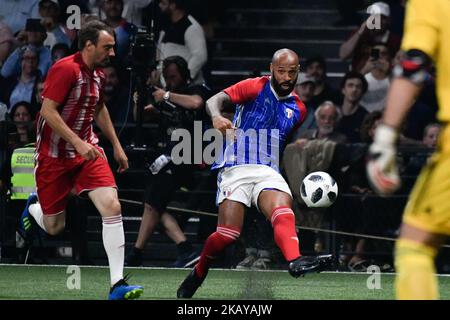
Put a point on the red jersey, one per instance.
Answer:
(78, 90)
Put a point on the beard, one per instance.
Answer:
(103, 63)
(278, 86)
(326, 130)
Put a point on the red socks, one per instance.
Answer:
(215, 244)
(283, 222)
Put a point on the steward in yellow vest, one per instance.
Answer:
(22, 168)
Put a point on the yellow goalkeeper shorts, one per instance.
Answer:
(428, 207)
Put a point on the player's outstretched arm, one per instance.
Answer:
(104, 122)
(49, 112)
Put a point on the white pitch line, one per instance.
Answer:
(187, 269)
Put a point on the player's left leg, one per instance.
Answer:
(107, 203)
(276, 206)
(415, 254)
(229, 225)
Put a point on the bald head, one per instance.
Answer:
(284, 68)
(285, 56)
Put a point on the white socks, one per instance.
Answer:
(114, 243)
(36, 212)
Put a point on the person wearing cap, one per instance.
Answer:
(36, 35)
(305, 90)
(358, 46)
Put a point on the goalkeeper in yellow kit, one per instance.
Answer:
(426, 221)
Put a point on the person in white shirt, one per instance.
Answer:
(184, 37)
(377, 72)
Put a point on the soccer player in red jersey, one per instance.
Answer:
(67, 153)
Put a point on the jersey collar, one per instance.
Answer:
(275, 93)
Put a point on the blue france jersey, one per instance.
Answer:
(263, 121)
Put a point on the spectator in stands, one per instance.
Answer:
(132, 10)
(22, 115)
(430, 135)
(22, 87)
(317, 69)
(51, 20)
(327, 117)
(6, 42)
(354, 86)
(413, 164)
(183, 37)
(358, 46)
(35, 34)
(116, 96)
(36, 106)
(166, 177)
(122, 28)
(305, 89)
(377, 72)
(16, 12)
(59, 51)
(349, 212)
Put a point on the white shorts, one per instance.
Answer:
(244, 183)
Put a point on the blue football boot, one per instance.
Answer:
(123, 291)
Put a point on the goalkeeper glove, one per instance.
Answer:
(382, 168)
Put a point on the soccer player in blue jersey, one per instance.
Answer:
(267, 112)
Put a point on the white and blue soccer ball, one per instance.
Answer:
(319, 190)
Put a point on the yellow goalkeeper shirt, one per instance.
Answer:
(427, 28)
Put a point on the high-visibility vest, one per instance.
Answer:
(22, 168)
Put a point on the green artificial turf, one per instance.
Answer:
(51, 282)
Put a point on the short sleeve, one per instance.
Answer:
(246, 90)
(60, 80)
(303, 111)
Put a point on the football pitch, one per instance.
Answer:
(60, 283)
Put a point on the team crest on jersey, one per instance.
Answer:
(227, 192)
(289, 113)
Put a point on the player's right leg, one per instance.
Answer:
(415, 254)
(273, 198)
(107, 203)
(230, 220)
(426, 223)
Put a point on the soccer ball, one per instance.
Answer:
(319, 190)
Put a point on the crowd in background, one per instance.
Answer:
(34, 36)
